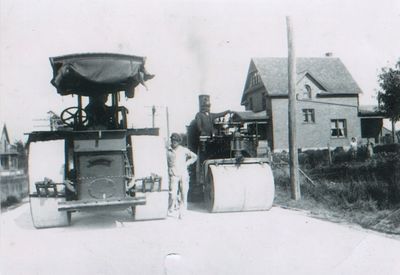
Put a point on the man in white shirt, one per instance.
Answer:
(179, 158)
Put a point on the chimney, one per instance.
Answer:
(329, 54)
(204, 102)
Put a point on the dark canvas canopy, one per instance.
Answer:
(94, 73)
(249, 116)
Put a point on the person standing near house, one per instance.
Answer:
(353, 147)
(370, 149)
(179, 159)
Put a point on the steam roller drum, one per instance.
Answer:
(149, 158)
(46, 160)
(248, 187)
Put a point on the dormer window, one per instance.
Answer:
(255, 79)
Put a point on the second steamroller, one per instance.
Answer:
(229, 173)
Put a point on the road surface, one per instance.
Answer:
(278, 241)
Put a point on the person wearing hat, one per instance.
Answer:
(205, 119)
(179, 159)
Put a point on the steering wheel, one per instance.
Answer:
(70, 116)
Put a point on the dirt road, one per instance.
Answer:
(278, 241)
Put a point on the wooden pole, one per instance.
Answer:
(293, 154)
(329, 154)
(153, 115)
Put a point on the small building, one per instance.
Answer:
(8, 154)
(327, 104)
(13, 180)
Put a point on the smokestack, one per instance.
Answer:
(204, 102)
(329, 54)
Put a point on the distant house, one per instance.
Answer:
(8, 153)
(13, 181)
(327, 101)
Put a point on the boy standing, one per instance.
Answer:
(179, 158)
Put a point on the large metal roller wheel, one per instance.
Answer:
(248, 187)
(149, 157)
(45, 214)
(46, 159)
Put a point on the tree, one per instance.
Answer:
(389, 95)
(22, 155)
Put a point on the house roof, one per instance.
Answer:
(330, 72)
(5, 147)
(4, 133)
(369, 111)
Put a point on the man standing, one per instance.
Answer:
(205, 119)
(179, 158)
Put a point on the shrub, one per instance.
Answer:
(387, 148)
(9, 201)
(369, 185)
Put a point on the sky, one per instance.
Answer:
(193, 47)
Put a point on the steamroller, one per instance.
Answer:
(230, 176)
(92, 160)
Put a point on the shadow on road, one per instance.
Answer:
(197, 207)
(98, 219)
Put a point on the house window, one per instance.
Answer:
(4, 162)
(264, 102)
(255, 79)
(307, 92)
(250, 103)
(338, 128)
(308, 115)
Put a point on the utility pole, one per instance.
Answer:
(155, 111)
(153, 115)
(293, 154)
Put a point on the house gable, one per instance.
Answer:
(253, 84)
(307, 87)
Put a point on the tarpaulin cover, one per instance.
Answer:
(94, 73)
(249, 116)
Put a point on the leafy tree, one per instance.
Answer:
(389, 95)
(22, 155)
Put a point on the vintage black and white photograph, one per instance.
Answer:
(199, 137)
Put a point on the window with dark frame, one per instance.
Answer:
(308, 116)
(307, 92)
(255, 79)
(338, 128)
(264, 102)
(4, 162)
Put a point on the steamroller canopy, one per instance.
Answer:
(249, 116)
(95, 73)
